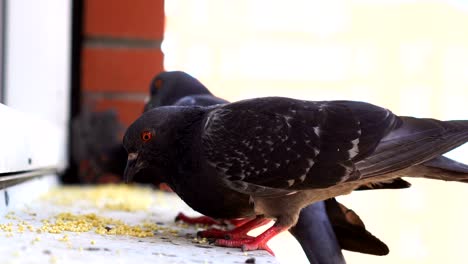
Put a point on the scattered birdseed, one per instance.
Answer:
(11, 216)
(110, 196)
(100, 225)
(197, 240)
(34, 241)
(64, 238)
(67, 222)
(8, 227)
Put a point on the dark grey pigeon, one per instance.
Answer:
(267, 158)
(94, 134)
(167, 88)
(314, 231)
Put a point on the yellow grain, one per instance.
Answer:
(64, 238)
(113, 197)
(35, 240)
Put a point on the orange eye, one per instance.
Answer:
(158, 84)
(146, 136)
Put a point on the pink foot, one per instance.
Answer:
(202, 220)
(224, 234)
(259, 242)
(239, 232)
(244, 244)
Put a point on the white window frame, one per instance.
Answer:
(35, 91)
(37, 61)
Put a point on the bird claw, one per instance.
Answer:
(201, 220)
(231, 236)
(223, 234)
(212, 233)
(246, 244)
(257, 246)
(234, 243)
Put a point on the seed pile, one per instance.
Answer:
(100, 225)
(89, 222)
(105, 197)
(110, 196)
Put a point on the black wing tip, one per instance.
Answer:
(445, 163)
(361, 241)
(351, 232)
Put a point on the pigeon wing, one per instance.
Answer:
(277, 145)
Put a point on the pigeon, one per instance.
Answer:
(171, 86)
(179, 88)
(315, 232)
(94, 136)
(268, 158)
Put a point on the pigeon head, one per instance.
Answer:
(153, 140)
(168, 87)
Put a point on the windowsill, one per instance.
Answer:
(173, 243)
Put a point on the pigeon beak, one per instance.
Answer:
(132, 167)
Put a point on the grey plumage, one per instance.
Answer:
(273, 156)
(315, 232)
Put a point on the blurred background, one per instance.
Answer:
(408, 56)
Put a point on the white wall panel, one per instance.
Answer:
(37, 78)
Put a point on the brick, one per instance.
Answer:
(128, 111)
(124, 18)
(119, 70)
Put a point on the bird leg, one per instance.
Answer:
(253, 243)
(202, 220)
(239, 232)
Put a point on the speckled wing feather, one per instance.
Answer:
(276, 145)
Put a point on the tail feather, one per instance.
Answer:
(442, 168)
(447, 164)
(440, 174)
(415, 142)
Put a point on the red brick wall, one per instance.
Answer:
(121, 52)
